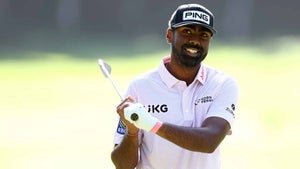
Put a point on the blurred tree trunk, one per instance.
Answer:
(4, 18)
(237, 18)
(4, 11)
(134, 15)
(68, 15)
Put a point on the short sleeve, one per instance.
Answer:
(225, 100)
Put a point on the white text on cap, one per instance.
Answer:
(196, 15)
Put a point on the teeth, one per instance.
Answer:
(192, 51)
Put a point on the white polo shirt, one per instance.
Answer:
(212, 94)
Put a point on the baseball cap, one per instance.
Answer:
(188, 14)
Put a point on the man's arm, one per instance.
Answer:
(204, 139)
(125, 155)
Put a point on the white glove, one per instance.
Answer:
(144, 120)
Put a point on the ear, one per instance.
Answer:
(169, 35)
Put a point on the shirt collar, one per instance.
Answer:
(170, 80)
(165, 75)
(201, 76)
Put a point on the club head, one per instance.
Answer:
(106, 70)
(104, 67)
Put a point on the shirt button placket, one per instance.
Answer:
(186, 104)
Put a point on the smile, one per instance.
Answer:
(191, 50)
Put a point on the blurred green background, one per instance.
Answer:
(58, 111)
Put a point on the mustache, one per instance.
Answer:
(193, 46)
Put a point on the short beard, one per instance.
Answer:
(187, 61)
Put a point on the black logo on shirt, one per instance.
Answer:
(157, 108)
(233, 107)
(121, 129)
(205, 99)
(231, 110)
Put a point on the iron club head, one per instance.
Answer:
(106, 70)
(104, 67)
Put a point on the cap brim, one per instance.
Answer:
(197, 23)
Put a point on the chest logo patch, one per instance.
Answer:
(163, 108)
(204, 99)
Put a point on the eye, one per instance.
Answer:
(205, 35)
(187, 31)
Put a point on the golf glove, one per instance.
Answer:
(138, 115)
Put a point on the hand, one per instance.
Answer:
(131, 129)
(144, 120)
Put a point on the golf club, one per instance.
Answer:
(106, 70)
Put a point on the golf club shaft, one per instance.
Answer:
(115, 86)
(106, 72)
(133, 116)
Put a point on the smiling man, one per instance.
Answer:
(183, 109)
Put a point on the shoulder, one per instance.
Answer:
(145, 78)
(219, 80)
(218, 76)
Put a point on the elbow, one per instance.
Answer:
(114, 160)
(121, 162)
(117, 163)
(204, 148)
(113, 157)
(209, 149)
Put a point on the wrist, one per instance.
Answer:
(156, 127)
(132, 134)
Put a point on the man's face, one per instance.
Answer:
(189, 44)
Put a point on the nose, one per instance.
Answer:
(195, 40)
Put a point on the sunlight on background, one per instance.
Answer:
(59, 112)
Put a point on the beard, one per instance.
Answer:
(181, 55)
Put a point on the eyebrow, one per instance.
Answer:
(193, 26)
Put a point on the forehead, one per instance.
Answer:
(195, 27)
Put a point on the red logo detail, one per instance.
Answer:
(202, 73)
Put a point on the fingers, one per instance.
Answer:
(125, 100)
(128, 99)
(120, 108)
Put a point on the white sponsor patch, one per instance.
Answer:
(196, 15)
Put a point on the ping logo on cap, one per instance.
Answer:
(196, 15)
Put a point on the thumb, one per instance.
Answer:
(130, 98)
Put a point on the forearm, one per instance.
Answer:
(125, 155)
(203, 139)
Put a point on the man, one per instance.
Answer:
(176, 116)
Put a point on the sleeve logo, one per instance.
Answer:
(231, 110)
(121, 127)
